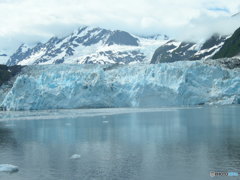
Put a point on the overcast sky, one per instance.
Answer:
(37, 20)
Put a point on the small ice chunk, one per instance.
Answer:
(105, 122)
(10, 125)
(75, 156)
(68, 124)
(8, 168)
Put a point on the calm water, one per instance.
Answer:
(149, 144)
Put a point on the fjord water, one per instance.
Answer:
(165, 143)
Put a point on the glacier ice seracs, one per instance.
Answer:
(68, 86)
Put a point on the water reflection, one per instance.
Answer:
(6, 137)
(172, 144)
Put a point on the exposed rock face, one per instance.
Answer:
(7, 78)
(6, 73)
(178, 51)
(122, 38)
(229, 63)
(231, 47)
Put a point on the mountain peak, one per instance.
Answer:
(122, 38)
(88, 45)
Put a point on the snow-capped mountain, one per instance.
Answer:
(178, 51)
(89, 45)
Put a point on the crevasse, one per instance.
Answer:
(103, 86)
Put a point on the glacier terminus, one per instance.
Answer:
(66, 86)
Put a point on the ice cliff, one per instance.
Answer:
(103, 86)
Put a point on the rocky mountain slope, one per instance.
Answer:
(6, 73)
(7, 77)
(215, 47)
(89, 45)
(231, 47)
(178, 51)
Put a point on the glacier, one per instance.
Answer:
(68, 86)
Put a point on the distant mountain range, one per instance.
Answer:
(88, 46)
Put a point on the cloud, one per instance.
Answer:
(38, 20)
(204, 26)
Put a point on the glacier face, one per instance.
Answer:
(102, 86)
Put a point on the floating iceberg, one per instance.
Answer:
(108, 86)
(8, 168)
(75, 156)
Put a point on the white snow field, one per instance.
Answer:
(68, 86)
